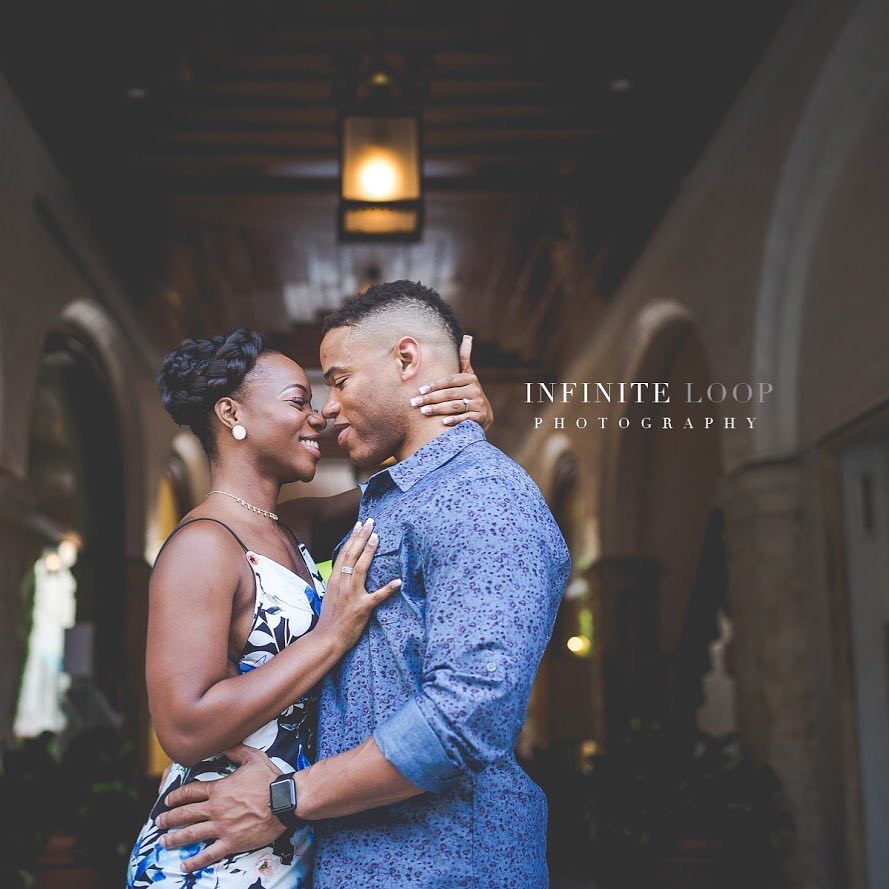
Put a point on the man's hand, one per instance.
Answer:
(233, 810)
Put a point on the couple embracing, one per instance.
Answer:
(361, 734)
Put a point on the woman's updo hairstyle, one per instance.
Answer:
(197, 373)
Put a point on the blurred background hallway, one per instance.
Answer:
(689, 192)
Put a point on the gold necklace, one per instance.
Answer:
(244, 503)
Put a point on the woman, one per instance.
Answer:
(235, 593)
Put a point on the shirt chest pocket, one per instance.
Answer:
(392, 561)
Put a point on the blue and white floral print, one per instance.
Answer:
(286, 608)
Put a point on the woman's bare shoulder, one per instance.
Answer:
(202, 546)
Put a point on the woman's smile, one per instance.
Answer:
(310, 443)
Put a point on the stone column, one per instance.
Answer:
(626, 652)
(771, 650)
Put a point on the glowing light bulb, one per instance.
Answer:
(378, 178)
(579, 645)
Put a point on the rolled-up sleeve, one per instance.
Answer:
(494, 568)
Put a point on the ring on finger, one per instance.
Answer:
(347, 569)
(465, 405)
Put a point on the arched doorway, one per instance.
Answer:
(657, 588)
(76, 647)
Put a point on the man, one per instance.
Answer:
(417, 784)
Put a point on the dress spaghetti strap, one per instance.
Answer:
(318, 585)
(289, 530)
(201, 519)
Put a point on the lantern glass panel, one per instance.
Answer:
(380, 221)
(381, 159)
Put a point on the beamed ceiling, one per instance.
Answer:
(200, 140)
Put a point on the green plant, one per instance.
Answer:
(29, 773)
(100, 778)
(90, 792)
(731, 798)
(651, 798)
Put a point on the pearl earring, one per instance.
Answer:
(239, 432)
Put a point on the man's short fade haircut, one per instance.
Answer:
(380, 297)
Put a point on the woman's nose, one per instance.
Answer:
(317, 421)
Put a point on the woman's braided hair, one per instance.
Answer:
(198, 372)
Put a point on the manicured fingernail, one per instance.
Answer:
(397, 582)
(368, 523)
(417, 400)
(447, 421)
(357, 526)
(374, 539)
(468, 336)
(426, 409)
(424, 389)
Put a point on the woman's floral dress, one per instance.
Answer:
(286, 608)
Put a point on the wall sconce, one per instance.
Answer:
(381, 182)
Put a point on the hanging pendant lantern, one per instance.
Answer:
(381, 193)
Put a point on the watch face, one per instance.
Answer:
(283, 794)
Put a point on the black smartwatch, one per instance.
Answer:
(282, 801)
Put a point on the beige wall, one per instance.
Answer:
(773, 257)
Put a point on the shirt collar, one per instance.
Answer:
(433, 454)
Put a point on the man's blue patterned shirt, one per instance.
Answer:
(442, 676)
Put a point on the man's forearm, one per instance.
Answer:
(359, 779)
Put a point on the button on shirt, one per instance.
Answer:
(441, 678)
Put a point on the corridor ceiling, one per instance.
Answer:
(199, 138)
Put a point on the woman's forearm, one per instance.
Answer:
(232, 709)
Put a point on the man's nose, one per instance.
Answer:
(331, 407)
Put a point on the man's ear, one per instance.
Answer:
(407, 353)
(227, 411)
